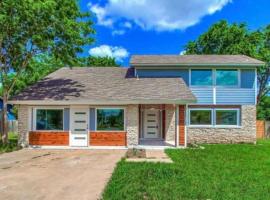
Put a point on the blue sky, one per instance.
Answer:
(127, 27)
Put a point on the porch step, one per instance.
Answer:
(152, 156)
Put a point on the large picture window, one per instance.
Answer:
(227, 117)
(110, 119)
(49, 119)
(201, 77)
(228, 77)
(200, 117)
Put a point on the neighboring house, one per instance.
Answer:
(10, 115)
(160, 100)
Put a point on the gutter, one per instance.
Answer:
(99, 102)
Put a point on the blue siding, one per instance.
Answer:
(66, 119)
(183, 73)
(247, 78)
(235, 96)
(92, 119)
(204, 95)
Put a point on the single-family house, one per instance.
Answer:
(160, 100)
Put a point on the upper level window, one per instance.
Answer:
(201, 77)
(227, 77)
(110, 119)
(49, 119)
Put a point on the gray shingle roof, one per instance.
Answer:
(199, 60)
(105, 84)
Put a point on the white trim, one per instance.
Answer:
(256, 85)
(177, 126)
(186, 122)
(106, 108)
(46, 108)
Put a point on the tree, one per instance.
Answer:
(100, 61)
(28, 28)
(224, 38)
(264, 109)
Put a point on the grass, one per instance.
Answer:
(239, 171)
(12, 145)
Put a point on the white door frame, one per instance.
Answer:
(71, 124)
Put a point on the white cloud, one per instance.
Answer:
(160, 15)
(119, 53)
(182, 52)
(118, 32)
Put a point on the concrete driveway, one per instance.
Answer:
(56, 174)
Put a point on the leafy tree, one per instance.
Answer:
(100, 61)
(31, 27)
(224, 38)
(264, 109)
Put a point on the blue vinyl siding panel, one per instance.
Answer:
(183, 73)
(204, 95)
(66, 119)
(92, 119)
(248, 78)
(235, 96)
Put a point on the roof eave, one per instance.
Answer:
(197, 65)
(101, 102)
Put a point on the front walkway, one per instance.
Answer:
(153, 156)
(56, 174)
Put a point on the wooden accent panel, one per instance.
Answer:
(163, 121)
(181, 125)
(260, 132)
(54, 138)
(98, 138)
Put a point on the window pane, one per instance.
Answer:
(226, 117)
(227, 77)
(110, 119)
(49, 119)
(200, 117)
(201, 77)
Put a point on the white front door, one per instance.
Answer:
(151, 124)
(79, 127)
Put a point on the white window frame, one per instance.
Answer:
(228, 86)
(227, 109)
(214, 77)
(190, 76)
(213, 118)
(46, 108)
(200, 125)
(104, 108)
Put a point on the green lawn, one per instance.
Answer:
(216, 172)
(12, 146)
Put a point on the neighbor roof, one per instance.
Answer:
(194, 60)
(104, 85)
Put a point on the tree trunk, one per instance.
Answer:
(4, 119)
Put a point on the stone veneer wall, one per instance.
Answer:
(132, 125)
(245, 134)
(23, 125)
(170, 123)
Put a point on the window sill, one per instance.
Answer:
(216, 127)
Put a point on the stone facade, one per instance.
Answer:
(23, 125)
(170, 123)
(244, 134)
(132, 125)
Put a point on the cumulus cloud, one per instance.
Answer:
(160, 15)
(119, 53)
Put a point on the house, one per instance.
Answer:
(160, 100)
(10, 115)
